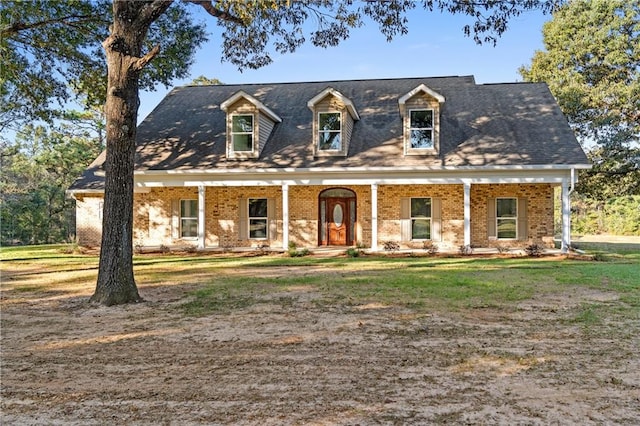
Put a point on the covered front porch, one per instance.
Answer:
(303, 212)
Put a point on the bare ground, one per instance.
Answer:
(289, 360)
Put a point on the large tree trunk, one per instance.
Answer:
(116, 283)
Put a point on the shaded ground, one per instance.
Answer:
(294, 359)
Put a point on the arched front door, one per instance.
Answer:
(337, 217)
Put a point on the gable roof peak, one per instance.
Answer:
(333, 92)
(259, 105)
(422, 88)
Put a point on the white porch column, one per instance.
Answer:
(467, 212)
(285, 216)
(201, 227)
(566, 217)
(374, 217)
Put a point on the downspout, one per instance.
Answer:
(572, 186)
(566, 212)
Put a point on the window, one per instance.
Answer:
(329, 131)
(421, 218)
(242, 132)
(421, 129)
(188, 218)
(506, 218)
(258, 218)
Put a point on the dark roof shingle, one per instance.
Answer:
(481, 125)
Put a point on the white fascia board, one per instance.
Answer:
(420, 89)
(137, 189)
(259, 105)
(331, 91)
(365, 169)
(364, 176)
(424, 89)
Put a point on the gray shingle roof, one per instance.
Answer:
(481, 125)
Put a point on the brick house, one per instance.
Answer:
(341, 163)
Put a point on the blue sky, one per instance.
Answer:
(434, 46)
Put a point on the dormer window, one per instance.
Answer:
(420, 112)
(421, 128)
(329, 131)
(249, 125)
(334, 118)
(242, 133)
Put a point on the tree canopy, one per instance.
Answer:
(52, 53)
(591, 63)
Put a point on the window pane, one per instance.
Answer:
(506, 228)
(330, 140)
(329, 121)
(422, 119)
(189, 228)
(506, 207)
(242, 123)
(258, 207)
(188, 208)
(421, 139)
(420, 229)
(420, 207)
(243, 142)
(257, 228)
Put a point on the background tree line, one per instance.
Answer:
(591, 63)
(37, 166)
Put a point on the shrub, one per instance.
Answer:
(391, 246)
(353, 252)
(534, 250)
(430, 247)
(502, 248)
(294, 252)
(465, 250)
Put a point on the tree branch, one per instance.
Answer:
(152, 11)
(140, 63)
(16, 27)
(215, 12)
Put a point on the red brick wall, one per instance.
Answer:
(153, 224)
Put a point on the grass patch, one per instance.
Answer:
(210, 299)
(227, 282)
(587, 315)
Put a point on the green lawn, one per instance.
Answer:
(218, 282)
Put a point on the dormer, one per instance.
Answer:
(333, 118)
(420, 112)
(249, 125)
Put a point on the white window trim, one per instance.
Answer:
(432, 128)
(507, 217)
(252, 133)
(411, 218)
(249, 217)
(319, 131)
(181, 218)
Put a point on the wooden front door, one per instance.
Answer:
(337, 221)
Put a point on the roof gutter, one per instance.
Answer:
(357, 169)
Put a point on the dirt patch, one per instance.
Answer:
(289, 360)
